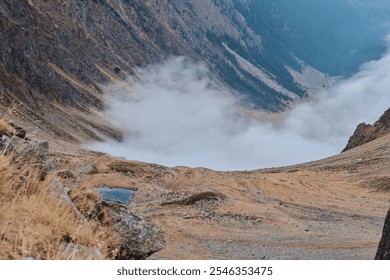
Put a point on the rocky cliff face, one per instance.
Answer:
(55, 55)
(62, 50)
(365, 133)
(383, 252)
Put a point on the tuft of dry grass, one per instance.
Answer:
(33, 224)
(6, 128)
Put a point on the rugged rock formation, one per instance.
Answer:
(13, 139)
(57, 54)
(61, 51)
(383, 252)
(365, 133)
(137, 237)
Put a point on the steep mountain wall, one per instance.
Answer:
(56, 55)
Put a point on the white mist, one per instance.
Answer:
(172, 114)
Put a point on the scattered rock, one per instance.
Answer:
(66, 174)
(23, 150)
(18, 131)
(383, 252)
(199, 197)
(210, 196)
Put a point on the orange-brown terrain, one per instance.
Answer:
(328, 209)
(56, 59)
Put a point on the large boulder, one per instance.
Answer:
(21, 149)
(139, 238)
(383, 252)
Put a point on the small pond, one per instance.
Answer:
(117, 194)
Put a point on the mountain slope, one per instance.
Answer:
(328, 209)
(334, 36)
(56, 55)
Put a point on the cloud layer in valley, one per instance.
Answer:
(173, 114)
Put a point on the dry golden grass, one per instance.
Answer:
(34, 224)
(5, 128)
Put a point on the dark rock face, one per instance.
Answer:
(55, 55)
(383, 252)
(60, 52)
(365, 133)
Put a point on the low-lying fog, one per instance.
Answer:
(172, 114)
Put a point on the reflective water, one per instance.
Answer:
(115, 194)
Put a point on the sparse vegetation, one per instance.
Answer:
(5, 128)
(33, 224)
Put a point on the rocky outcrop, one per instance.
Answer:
(139, 238)
(383, 252)
(13, 141)
(24, 151)
(365, 133)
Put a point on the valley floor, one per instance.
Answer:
(328, 209)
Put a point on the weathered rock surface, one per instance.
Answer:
(14, 141)
(57, 54)
(383, 252)
(365, 133)
(139, 239)
(26, 151)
